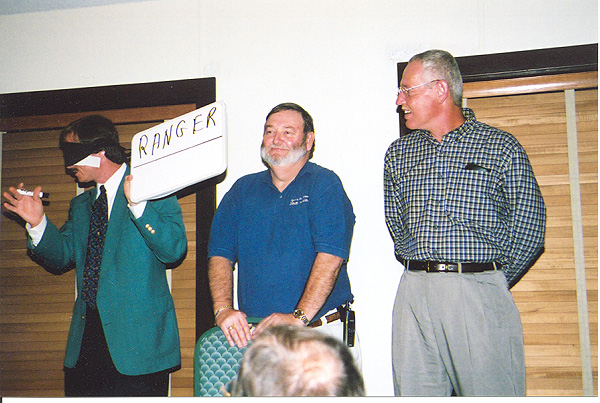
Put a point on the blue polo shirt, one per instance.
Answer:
(275, 236)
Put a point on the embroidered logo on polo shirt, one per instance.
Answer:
(299, 200)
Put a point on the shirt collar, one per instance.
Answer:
(463, 129)
(459, 132)
(306, 169)
(112, 185)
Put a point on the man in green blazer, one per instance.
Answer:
(123, 339)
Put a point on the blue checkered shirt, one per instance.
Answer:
(471, 198)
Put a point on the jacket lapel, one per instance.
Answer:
(84, 226)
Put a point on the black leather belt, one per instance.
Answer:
(448, 267)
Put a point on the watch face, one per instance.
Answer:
(299, 314)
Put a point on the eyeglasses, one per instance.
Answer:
(406, 91)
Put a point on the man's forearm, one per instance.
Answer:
(320, 283)
(220, 280)
(233, 323)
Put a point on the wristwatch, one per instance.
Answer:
(299, 314)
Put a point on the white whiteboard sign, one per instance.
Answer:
(179, 152)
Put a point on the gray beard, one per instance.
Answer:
(292, 157)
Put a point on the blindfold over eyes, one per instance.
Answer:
(75, 152)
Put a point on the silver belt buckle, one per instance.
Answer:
(447, 267)
(442, 267)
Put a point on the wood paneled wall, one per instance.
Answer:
(35, 306)
(560, 359)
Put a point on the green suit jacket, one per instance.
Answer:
(134, 301)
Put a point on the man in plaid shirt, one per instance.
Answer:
(467, 219)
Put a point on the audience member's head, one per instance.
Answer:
(297, 361)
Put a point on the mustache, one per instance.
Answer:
(272, 146)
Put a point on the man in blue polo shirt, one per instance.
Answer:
(289, 230)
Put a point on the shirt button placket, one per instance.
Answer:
(438, 197)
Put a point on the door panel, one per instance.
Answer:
(547, 296)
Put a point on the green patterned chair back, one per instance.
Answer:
(215, 362)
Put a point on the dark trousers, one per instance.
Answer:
(96, 375)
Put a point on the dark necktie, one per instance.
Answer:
(98, 225)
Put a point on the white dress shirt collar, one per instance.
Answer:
(112, 186)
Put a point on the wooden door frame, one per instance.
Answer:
(16, 107)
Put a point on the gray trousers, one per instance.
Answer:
(458, 332)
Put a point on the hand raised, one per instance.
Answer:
(29, 208)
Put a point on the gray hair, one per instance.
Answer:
(442, 65)
(297, 361)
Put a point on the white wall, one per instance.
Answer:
(335, 58)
